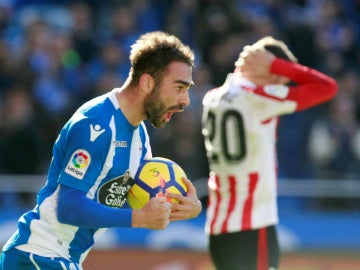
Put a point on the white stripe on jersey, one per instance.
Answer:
(33, 261)
(108, 164)
(42, 239)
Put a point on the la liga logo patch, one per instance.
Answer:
(78, 164)
(80, 160)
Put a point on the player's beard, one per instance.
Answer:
(155, 108)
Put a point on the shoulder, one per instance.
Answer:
(211, 95)
(99, 107)
(91, 119)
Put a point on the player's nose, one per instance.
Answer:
(185, 99)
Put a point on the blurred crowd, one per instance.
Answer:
(55, 55)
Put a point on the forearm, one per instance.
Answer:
(299, 73)
(312, 87)
(74, 208)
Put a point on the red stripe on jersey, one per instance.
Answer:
(246, 219)
(232, 201)
(217, 203)
(262, 259)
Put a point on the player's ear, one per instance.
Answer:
(147, 83)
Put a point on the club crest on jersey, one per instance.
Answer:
(78, 164)
(113, 193)
(278, 91)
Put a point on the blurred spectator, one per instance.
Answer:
(334, 142)
(83, 29)
(121, 26)
(151, 15)
(7, 72)
(22, 148)
(111, 59)
(334, 149)
(181, 21)
(292, 137)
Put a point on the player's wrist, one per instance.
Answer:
(136, 218)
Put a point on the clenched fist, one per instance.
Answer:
(154, 215)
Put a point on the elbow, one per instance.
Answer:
(61, 216)
(63, 213)
(333, 88)
(67, 214)
(66, 206)
(328, 90)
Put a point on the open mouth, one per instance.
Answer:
(168, 116)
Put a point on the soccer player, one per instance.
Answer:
(239, 126)
(101, 146)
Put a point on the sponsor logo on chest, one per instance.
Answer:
(113, 193)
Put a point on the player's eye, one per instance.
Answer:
(182, 88)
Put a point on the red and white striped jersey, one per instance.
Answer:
(239, 127)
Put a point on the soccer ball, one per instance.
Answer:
(153, 178)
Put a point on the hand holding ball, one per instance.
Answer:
(153, 178)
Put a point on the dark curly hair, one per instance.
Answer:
(153, 52)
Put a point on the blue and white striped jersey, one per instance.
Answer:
(98, 152)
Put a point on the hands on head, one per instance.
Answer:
(255, 62)
(158, 212)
